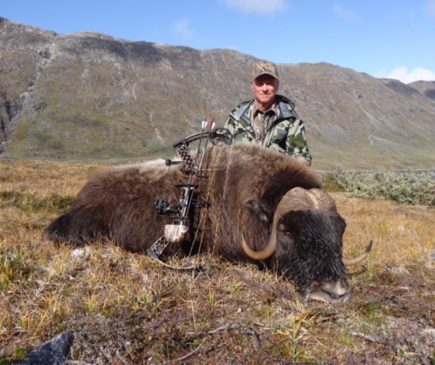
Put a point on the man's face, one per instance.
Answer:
(265, 88)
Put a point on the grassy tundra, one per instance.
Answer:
(125, 308)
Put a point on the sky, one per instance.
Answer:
(383, 38)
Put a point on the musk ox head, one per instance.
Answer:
(306, 243)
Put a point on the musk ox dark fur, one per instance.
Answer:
(263, 206)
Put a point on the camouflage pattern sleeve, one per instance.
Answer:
(297, 141)
(239, 132)
(231, 125)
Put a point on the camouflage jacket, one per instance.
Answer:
(282, 130)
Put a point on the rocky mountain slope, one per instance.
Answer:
(427, 88)
(90, 96)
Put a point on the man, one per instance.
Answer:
(269, 119)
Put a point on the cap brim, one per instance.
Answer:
(265, 73)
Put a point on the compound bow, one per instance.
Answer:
(182, 212)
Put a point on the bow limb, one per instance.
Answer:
(182, 148)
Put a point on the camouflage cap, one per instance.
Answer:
(264, 68)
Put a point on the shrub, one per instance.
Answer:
(408, 187)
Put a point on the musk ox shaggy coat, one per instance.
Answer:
(244, 185)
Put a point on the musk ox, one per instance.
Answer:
(263, 207)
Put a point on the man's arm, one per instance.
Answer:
(297, 145)
(231, 125)
(239, 130)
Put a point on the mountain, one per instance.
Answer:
(427, 88)
(90, 96)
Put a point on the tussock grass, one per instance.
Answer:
(126, 308)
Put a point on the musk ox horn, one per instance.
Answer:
(262, 254)
(321, 200)
(292, 200)
(357, 260)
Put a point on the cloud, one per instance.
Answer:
(342, 12)
(259, 7)
(402, 73)
(430, 7)
(183, 29)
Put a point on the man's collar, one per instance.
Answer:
(272, 109)
(284, 108)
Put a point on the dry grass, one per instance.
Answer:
(126, 308)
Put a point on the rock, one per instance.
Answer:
(52, 352)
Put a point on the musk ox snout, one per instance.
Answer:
(330, 292)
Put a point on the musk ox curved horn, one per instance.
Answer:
(321, 200)
(292, 200)
(263, 254)
(303, 199)
(357, 260)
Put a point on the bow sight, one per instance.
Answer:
(178, 212)
(182, 213)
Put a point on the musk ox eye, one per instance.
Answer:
(258, 209)
(282, 228)
(284, 232)
(285, 237)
